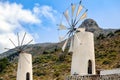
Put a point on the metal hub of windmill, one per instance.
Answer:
(73, 16)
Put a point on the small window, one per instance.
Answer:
(27, 76)
(89, 67)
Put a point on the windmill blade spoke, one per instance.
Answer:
(80, 7)
(12, 42)
(73, 6)
(66, 14)
(61, 38)
(62, 27)
(64, 45)
(29, 42)
(84, 15)
(26, 44)
(23, 39)
(18, 39)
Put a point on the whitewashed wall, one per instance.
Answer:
(83, 51)
(24, 66)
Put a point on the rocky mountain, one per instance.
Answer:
(92, 26)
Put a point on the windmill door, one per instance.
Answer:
(27, 76)
(89, 67)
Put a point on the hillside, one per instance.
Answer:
(107, 51)
(50, 64)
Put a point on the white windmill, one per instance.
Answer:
(81, 42)
(24, 70)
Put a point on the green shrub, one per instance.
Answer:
(1, 79)
(56, 74)
(110, 34)
(3, 64)
(39, 73)
(46, 52)
(106, 61)
(101, 36)
(117, 32)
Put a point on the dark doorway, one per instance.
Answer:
(89, 67)
(27, 76)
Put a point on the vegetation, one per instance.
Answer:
(3, 63)
(54, 65)
(107, 51)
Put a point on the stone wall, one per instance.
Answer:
(108, 72)
(94, 77)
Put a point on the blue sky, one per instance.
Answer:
(39, 18)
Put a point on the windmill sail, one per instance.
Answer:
(80, 7)
(62, 27)
(73, 8)
(83, 16)
(66, 14)
(64, 46)
(61, 38)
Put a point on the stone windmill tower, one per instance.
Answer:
(81, 42)
(24, 70)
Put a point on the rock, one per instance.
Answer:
(92, 26)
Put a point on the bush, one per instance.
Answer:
(56, 73)
(1, 79)
(46, 52)
(39, 73)
(118, 66)
(61, 57)
(3, 63)
(106, 61)
(101, 36)
(117, 31)
(110, 34)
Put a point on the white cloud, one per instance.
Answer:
(46, 11)
(12, 18)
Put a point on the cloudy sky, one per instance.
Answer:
(38, 18)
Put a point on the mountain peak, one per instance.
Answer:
(90, 25)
